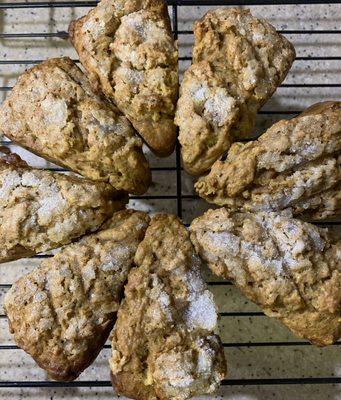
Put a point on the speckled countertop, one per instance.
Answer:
(245, 362)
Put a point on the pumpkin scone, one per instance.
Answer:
(41, 210)
(163, 345)
(63, 311)
(238, 62)
(295, 163)
(129, 51)
(290, 268)
(53, 112)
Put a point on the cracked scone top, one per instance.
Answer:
(63, 311)
(41, 210)
(295, 163)
(238, 62)
(290, 268)
(163, 345)
(53, 112)
(129, 51)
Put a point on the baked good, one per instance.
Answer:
(163, 343)
(63, 311)
(41, 210)
(129, 51)
(290, 268)
(291, 165)
(238, 62)
(323, 205)
(53, 112)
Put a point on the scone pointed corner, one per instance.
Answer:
(164, 147)
(73, 27)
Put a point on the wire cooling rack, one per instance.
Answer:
(179, 196)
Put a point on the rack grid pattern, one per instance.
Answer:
(175, 4)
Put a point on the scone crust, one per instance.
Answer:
(295, 163)
(164, 346)
(53, 112)
(288, 267)
(129, 51)
(238, 62)
(42, 210)
(62, 312)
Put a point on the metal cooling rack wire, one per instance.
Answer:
(179, 196)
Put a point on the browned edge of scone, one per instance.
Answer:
(72, 372)
(125, 386)
(9, 158)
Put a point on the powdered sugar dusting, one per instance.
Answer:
(200, 94)
(10, 180)
(216, 104)
(201, 312)
(50, 205)
(219, 107)
(116, 259)
(133, 76)
(225, 241)
(147, 29)
(55, 111)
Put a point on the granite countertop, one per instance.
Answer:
(245, 362)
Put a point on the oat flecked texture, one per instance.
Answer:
(164, 346)
(295, 163)
(129, 51)
(41, 210)
(53, 112)
(290, 268)
(63, 311)
(238, 62)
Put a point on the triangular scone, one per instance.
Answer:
(164, 346)
(290, 268)
(129, 51)
(41, 210)
(53, 112)
(238, 62)
(291, 165)
(63, 311)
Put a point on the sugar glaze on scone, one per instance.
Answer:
(63, 311)
(42, 210)
(290, 268)
(238, 62)
(129, 51)
(53, 112)
(163, 345)
(295, 163)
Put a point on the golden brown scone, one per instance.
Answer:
(63, 311)
(53, 112)
(238, 62)
(129, 51)
(290, 268)
(295, 163)
(164, 346)
(41, 210)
